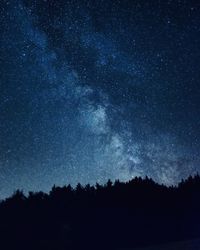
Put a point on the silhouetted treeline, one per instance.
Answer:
(137, 213)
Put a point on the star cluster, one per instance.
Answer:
(92, 90)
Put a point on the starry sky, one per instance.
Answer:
(98, 89)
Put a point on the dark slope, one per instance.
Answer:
(181, 245)
(139, 213)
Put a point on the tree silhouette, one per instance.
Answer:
(137, 213)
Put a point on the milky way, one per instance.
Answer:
(92, 90)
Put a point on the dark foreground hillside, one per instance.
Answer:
(136, 214)
(180, 245)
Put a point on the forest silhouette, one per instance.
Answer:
(137, 213)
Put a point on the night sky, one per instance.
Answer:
(98, 89)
